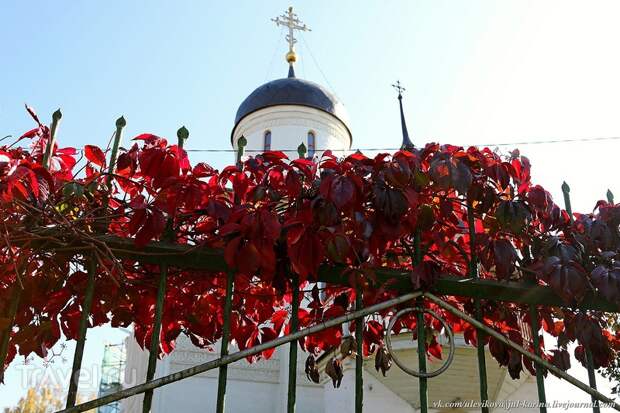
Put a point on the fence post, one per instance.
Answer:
(182, 134)
(359, 356)
(120, 124)
(91, 263)
(49, 148)
(301, 150)
(155, 335)
(422, 381)
(292, 356)
(81, 340)
(589, 362)
(17, 287)
(230, 287)
(294, 326)
(473, 272)
(223, 373)
(540, 378)
(241, 143)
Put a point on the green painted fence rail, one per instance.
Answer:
(167, 254)
(231, 358)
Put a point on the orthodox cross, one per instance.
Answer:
(290, 20)
(399, 87)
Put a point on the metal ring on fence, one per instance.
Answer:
(388, 342)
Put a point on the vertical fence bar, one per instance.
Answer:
(120, 124)
(294, 326)
(182, 135)
(240, 149)
(230, 287)
(567, 204)
(422, 381)
(592, 380)
(49, 148)
(5, 335)
(589, 363)
(91, 264)
(301, 150)
(359, 356)
(473, 272)
(147, 402)
(540, 378)
(90, 284)
(292, 355)
(223, 373)
(155, 335)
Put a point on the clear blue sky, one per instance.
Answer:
(476, 72)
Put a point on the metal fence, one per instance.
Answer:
(167, 254)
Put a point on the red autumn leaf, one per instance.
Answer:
(306, 252)
(95, 155)
(139, 202)
(499, 351)
(470, 336)
(339, 190)
(607, 281)
(248, 258)
(273, 156)
(153, 227)
(514, 364)
(390, 202)
(424, 274)
(240, 184)
(147, 137)
(567, 277)
(561, 359)
(278, 318)
(30, 134)
(434, 348)
(505, 256)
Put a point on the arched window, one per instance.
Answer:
(311, 144)
(267, 140)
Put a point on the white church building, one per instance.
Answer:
(280, 115)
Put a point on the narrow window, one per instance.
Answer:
(311, 144)
(267, 142)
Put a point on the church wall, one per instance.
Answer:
(135, 372)
(377, 397)
(289, 126)
(258, 387)
(261, 387)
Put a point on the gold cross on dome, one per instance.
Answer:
(290, 20)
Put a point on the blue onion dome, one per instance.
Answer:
(292, 91)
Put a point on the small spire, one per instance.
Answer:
(407, 144)
(290, 20)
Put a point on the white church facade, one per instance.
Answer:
(280, 115)
(261, 387)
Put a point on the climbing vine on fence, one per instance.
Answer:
(276, 218)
